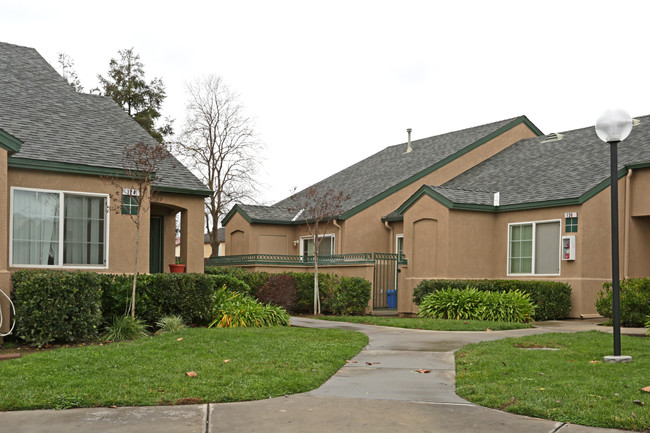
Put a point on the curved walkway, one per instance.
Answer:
(378, 391)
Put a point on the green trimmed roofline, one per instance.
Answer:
(9, 142)
(426, 190)
(66, 167)
(366, 204)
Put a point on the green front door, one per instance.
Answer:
(156, 245)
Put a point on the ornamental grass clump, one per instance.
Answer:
(472, 304)
(170, 324)
(125, 328)
(233, 310)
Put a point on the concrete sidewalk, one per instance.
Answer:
(379, 391)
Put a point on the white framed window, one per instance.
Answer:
(58, 229)
(325, 248)
(534, 248)
(399, 245)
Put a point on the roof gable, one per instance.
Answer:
(388, 171)
(63, 130)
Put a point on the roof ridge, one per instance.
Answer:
(461, 189)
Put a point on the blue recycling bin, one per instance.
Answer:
(391, 298)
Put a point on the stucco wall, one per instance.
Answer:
(5, 276)
(122, 230)
(475, 245)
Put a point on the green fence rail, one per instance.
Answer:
(278, 259)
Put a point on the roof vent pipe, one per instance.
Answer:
(408, 147)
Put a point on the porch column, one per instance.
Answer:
(5, 276)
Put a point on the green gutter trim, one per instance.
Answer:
(9, 142)
(426, 190)
(441, 163)
(65, 167)
(185, 191)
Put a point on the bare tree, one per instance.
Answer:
(134, 193)
(318, 208)
(218, 143)
(68, 72)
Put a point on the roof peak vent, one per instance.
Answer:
(409, 149)
(553, 136)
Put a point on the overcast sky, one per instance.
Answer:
(329, 83)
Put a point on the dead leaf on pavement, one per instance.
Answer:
(347, 361)
(422, 370)
(488, 330)
(191, 374)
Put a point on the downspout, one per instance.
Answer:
(626, 238)
(390, 242)
(340, 236)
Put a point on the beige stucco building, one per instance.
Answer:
(497, 201)
(66, 201)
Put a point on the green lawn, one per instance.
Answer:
(571, 384)
(429, 324)
(232, 365)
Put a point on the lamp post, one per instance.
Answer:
(612, 127)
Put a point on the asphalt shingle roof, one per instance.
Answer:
(531, 171)
(58, 124)
(378, 173)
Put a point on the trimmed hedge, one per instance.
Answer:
(56, 306)
(472, 304)
(553, 299)
(295, 290)
(160, 295)
(634, 301)
(350, 298)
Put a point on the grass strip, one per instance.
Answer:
(234, 364)
(571, 384)
(429, 324)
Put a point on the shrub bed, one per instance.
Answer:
(552, 299)
(473, 304)
(232, 310)
(634, 301)
(159, 295)
(56, 306)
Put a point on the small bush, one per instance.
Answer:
(472, 304)
(351, 297)
(233, 310)
(56, 306)
(170, 324)
(552, 298)
(280, 290)
(634, 301)
(125, 328)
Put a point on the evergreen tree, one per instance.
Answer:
(126, 85)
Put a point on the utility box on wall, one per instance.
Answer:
(568, 247)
